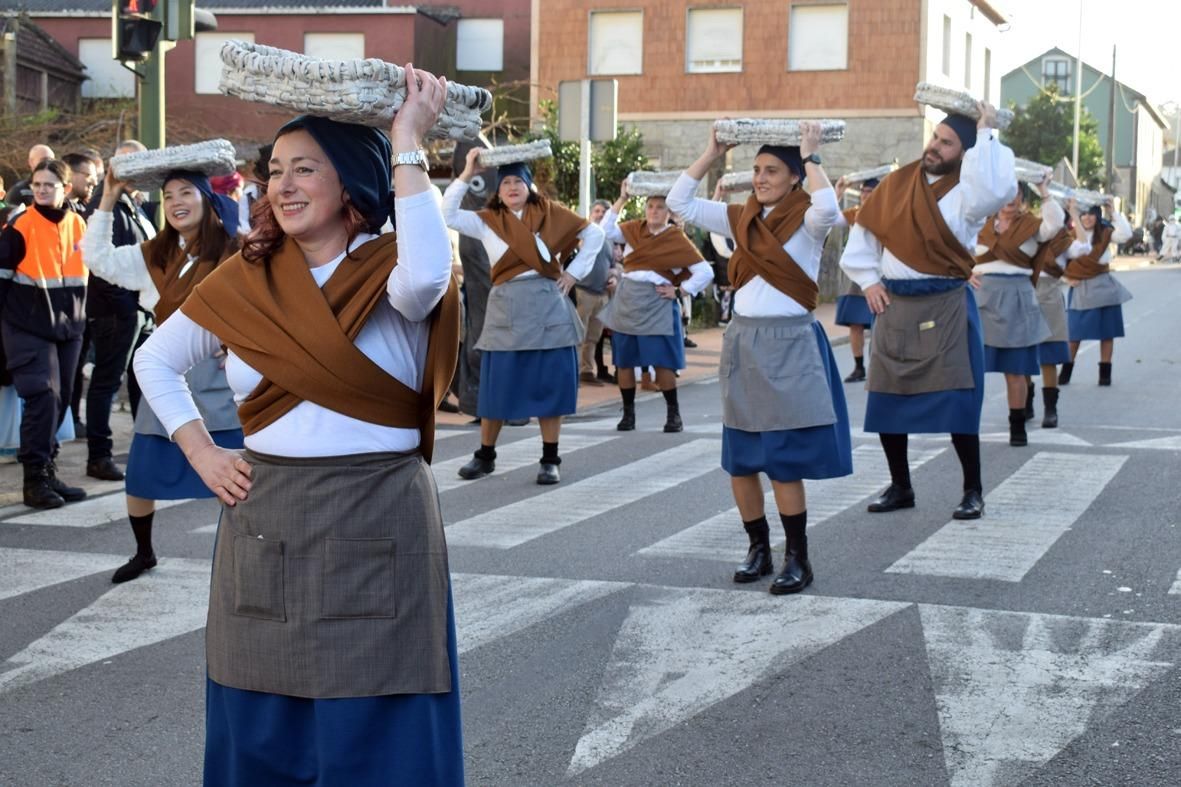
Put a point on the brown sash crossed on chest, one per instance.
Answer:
(1006, 246)
(1046, 259)
(661, 253)
(759, 251)
(174, 281)
(904, 216)
(1087, 266)
(557, 226)
(299, 337)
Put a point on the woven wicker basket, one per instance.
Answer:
(651, 184)
(764, 131)
(733, 182)
(145, 171)
(1031, 171)
(514, 154)
(862, 175)
(368, 92)
(957, 101)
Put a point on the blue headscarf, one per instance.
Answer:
(519, 169)
(964, 128)
(361, 156)
(870, 183)
(225, 208)
(789, 155)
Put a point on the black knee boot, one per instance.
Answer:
(1029, 391)
(1017, 434)
(758, 558)
(144, 557)
(1064, 375)
(673, 422)
(797, 571)
(1050, 399)
(1104, 373)
(628, 422)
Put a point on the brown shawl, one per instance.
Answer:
(850, 215)
(1046, 259)
(759, 251)
(557, 226)
(662, 253)
(171, 285)
(1006, 246)
(907, 221)
(1087, 266)
(299, 337)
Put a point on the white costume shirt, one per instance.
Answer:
(468, 222)
(1121, 232)
(700, 273)
(123, 266)
(394, 337)
(757, 298)
(988, 181)
(1053, 219)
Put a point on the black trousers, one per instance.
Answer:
(113, 338)
(43, 375)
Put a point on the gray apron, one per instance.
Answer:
(1102, 290)
(331, 580)
(637, 309)
(1009, 312)
(772, 375)
(921, 345)
(1053, 306)
(529, 313)
(211, 392)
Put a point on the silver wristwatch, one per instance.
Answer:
(415, 158)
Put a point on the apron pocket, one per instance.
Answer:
(258, 578)
(358, 578)
(910, 344)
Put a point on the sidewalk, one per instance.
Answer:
(701, 364)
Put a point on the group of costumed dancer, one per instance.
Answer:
(296, 380)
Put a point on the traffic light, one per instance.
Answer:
(135, 31)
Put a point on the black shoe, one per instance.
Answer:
(795, 576)
(1017, 435)
(1064, 375)
(548, 474)
(894, 498)
(606, 376)
(857, 375)
(1050, 400)
(757, 564)
(37, 492)
(477, 468)
(1029, 391)
(71, 494)
(690, 344)
(447, 406)
(971, 507)
(673, 422)
(1104, 373)
(134, 567)
(104, 469)
(628, 422)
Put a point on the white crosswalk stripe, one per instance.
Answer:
(654, 426)
(512, 456)
(25, 570)
(1024, 517)
(91, 512)
(716, 537)
(517, 523)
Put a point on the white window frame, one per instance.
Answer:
(212, 69)
(968, 61)
(604, 70)
(1066, 90)
(717, 66)
(946, 45)
(314, 36)
(486, 62)
(791, 27)
(987, 74)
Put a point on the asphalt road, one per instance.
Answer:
(603, 643)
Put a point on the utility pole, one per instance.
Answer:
(151, 90)
(1078, 87)
(1111, 128)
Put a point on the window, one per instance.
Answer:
(947, 46)
(207, 53)
(479, 45)
(107, 79)
(616, 42)
(968, 60)
(987, 74)
(818, 38)
(334, 46)
(1056, 71)
(713, 40)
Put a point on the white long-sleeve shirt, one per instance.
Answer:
(123, 266)
(757, 298)
(701, 273)
(468, 222)
(1053, 219)
(988, 180)
(394, 337)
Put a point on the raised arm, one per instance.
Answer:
(123, 266)
(823, 214)
(423, 271)
(1053, 218)
(609, 224)
(466, 222)
(1122, 232)
(988, 175)
(707, 214)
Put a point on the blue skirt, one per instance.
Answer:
(254, 739)
(157, 470)
(784, 455)
(528, 383)
(1106, 322)
(939, 412)
(1052, 353)
(1012, 360)
(853, 310)
(629, 351)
